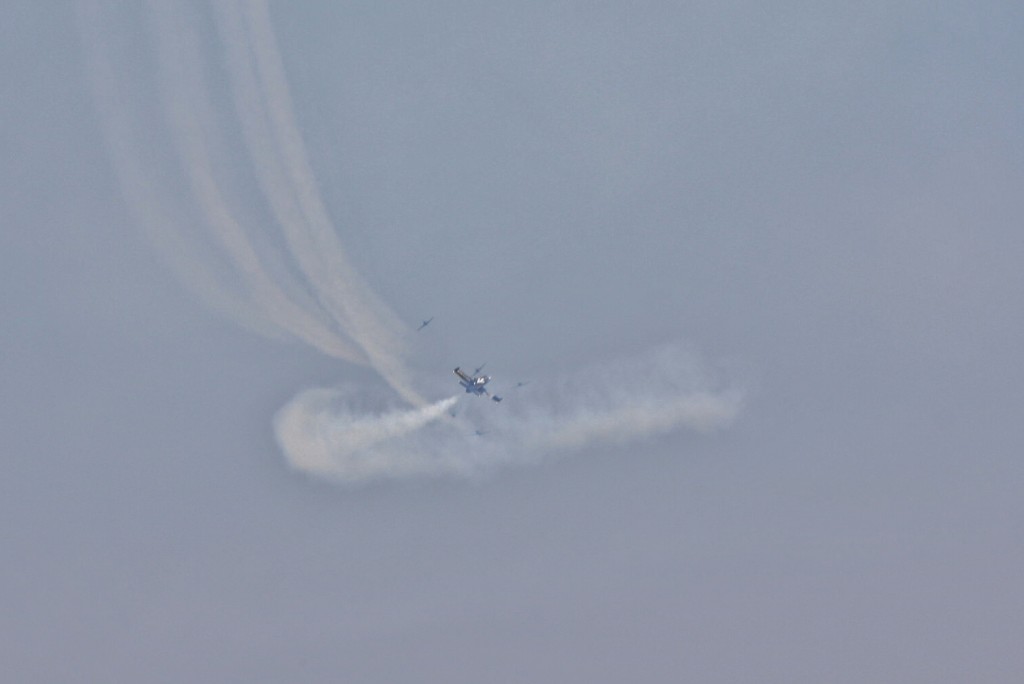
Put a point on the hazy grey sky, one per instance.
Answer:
(817, 204)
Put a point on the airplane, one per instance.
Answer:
(424, 324)
(475, 384)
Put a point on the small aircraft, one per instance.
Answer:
(424, 324)
(475, 384)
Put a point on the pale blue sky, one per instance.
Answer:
(823, 200)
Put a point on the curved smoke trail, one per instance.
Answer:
(263, 105)
(345, 318)
(140, 182)
(186, 100)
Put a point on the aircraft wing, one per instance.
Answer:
(463, 375)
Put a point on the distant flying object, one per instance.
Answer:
(475, 384)
(424, 324)
(522, 383)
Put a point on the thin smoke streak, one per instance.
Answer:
(360, 328)
(187, 106)
(143, 193)
(263, 104)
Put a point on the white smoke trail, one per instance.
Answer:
(327, 433)
(263, 105)
(188, 107)
(319, 436)
(346, 320)
(140, 183)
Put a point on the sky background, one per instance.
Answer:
(823, 202)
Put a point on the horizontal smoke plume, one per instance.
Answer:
(332, 433)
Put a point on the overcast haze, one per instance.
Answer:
(761, 270)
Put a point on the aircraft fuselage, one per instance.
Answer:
(475, 384)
